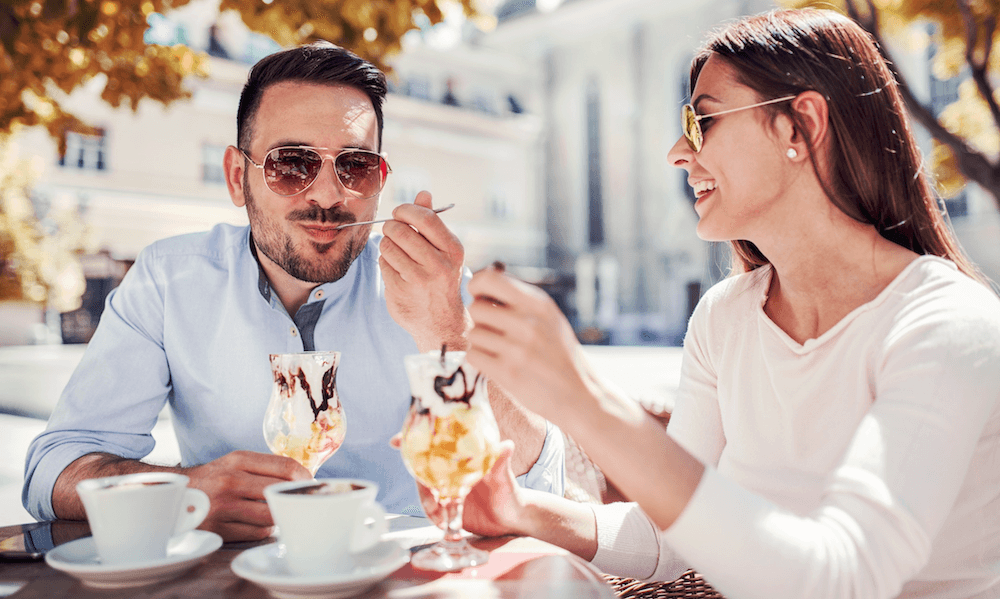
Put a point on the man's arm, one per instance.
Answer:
(234, 483)
(525, 428)
(422, 263)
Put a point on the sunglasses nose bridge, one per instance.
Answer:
(323, 197)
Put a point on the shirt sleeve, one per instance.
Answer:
(548, 473)
(937, 386)
(628, 545)
(112, 400)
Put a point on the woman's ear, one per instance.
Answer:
(813, 114)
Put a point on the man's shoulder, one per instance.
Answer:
(216, 244)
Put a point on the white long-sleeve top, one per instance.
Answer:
(862, 463)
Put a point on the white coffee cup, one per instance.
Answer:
(321, 523)
(134, 516)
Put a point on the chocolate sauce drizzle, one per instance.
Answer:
(328, 390)
(440, 383)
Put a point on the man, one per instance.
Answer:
(197, 315)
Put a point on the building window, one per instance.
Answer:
(500, 206)
(211, 163)
(595, 200)
(85, 152)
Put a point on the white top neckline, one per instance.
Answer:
(811, 344)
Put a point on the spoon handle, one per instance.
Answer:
(385, 220)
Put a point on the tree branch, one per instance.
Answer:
(974, 165)
(978, 68)
(8, 27)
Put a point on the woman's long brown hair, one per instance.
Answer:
(875, 173)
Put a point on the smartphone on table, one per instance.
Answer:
(33, 543)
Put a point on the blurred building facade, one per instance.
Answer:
(620, 218)
(550, 133)
(158, 172)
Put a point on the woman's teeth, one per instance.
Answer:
(703, 187)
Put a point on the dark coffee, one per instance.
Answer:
(324, 489)
(134, 484)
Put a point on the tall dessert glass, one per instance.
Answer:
(304, 419)
(449, 442)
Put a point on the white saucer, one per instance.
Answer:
(266, 567)
(79, 559)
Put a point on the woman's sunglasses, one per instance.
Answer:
(692, 127)
(289, 170)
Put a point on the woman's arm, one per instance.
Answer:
(522, 341)
(888, 499)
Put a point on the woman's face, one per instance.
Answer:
(739, 177)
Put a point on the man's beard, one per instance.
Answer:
(279, 248)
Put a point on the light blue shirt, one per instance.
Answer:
(192, 324)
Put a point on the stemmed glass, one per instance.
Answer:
(448, 443)
(304, 419)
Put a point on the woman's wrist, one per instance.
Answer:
(560, 521)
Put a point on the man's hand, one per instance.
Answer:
(421, 265)
(234, 484)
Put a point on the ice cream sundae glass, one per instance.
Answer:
(304, 419)
(449, 442)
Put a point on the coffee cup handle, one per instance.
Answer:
(194, 508)
(370, 527)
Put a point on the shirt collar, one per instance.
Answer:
(264, 285)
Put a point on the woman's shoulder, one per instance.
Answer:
(738, 292)
(730, 304)
(930, 281)
(933, 295)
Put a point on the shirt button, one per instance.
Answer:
(319, 294)
(294, 332)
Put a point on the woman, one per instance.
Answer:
(837, 432)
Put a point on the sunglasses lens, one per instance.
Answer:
(691, 128)
(361, 172)
(287, 171)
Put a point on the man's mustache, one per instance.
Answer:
(315, 214)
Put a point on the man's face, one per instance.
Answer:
(298, 232)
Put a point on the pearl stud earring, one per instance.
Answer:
(792, 154)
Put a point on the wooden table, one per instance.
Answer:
(518, 568)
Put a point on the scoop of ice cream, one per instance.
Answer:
(306, 385)
(449, 454)
(442, 383)
(304, 419)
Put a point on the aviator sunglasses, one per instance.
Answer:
(289, 170)
(692, 127)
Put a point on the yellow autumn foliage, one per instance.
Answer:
(969, 116)
(48, 48)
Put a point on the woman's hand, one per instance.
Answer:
(493, 508)
(522, 341)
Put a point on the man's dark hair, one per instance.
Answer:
(321, 63)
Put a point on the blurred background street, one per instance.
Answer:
(546, 122)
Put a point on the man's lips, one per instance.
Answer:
(321, 232)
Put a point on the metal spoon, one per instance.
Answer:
(384, 220)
